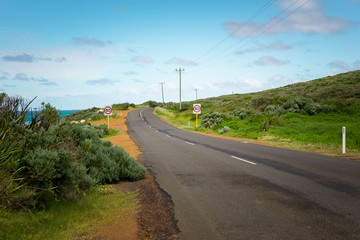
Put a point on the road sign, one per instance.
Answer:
(197, 109)
(108, 111)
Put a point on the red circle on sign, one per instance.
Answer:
(108, 110)
(197, 108)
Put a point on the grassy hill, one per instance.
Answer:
(303, 115)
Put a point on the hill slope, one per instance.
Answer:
(308, 113)
(340, 91)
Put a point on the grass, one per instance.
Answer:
(112, 132)
(322, 128)
(65, 220)
(338, 96)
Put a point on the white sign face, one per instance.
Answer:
(108, 111)
(197, 109)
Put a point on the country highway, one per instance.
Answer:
(224, 189)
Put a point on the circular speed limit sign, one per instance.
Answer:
(197, 108)
(107, 111)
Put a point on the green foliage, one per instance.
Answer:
(122, 106)
(151, 104)
(12, 119)
(85, 114)
(284, 112)
(239, 113)
(54, 159)
(270, 120)
(224, 130)
(67, 159)
(211, 120)
(260, 103)
(274, 110)
(48, 115)
(68, 219)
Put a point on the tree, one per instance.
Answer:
(49, 115)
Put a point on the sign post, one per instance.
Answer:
(344, 140)
(108, 113)
(197, 111)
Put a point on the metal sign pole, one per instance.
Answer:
(344, 140)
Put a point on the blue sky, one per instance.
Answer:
(78, 54)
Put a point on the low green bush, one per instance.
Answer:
(238, 113)
(211, 120)
(224, 130)
(40, 162)
(275, 110)
(307, 105)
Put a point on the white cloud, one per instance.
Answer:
(21, 77)
(101, 81)
(277, 46)
(130, 73)
(241, 84)
(90, 42)
(309, 19)
(128, 91)
(142, 59)
(180, 61)
(338, 66)
(269, 61)
(19, 58)
(155, 88)
(356, 65)
(249, 83)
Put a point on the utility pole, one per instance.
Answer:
(162, 90)
(180, 70)
(196, 92)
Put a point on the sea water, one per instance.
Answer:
(63, 113)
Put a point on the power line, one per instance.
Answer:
(268, 4)
(273, 25)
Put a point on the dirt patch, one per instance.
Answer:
(155, 218)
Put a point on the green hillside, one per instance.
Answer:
(309, 114)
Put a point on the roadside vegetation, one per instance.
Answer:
(306, 116)
(49, 164)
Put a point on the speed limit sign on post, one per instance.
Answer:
(107, 110)
(197, 108)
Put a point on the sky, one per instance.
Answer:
(77, 54)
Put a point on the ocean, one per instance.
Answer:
(63, 113)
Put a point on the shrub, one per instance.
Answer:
(121, 106)
(300, 104)
(210, 120)
(60, 160)
(12, 118)
(239, 113)
(224, 130)
(260, 103)
(275, 110)
(270, 120)
(48, 115)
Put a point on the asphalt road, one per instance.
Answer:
(225, 189)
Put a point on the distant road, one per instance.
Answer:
(224, 189)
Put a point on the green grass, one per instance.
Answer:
(338, 96)
(63, 219)
(322, 128)
(112, 132)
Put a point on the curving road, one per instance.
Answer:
(225, 189)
